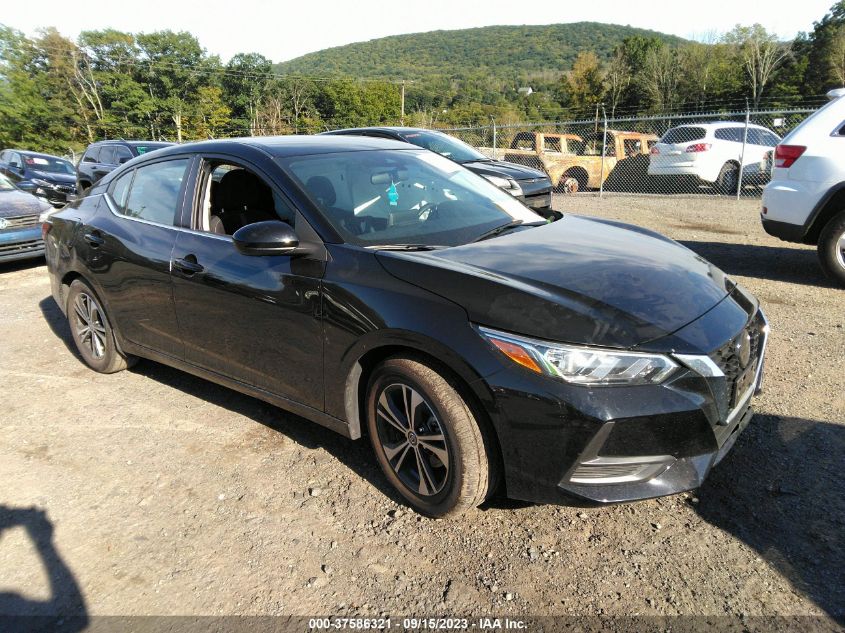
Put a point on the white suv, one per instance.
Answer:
(805, 200)
(712, 152)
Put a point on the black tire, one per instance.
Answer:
(572, 182)
(92, 331)
(457, 472)
(83, 188)
(832, 248)
(728, 179)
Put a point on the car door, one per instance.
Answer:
(254, 319)
(15, 170)
(128, 245)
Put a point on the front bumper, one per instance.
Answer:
(612, 444)
(536, 193)
(21, 244)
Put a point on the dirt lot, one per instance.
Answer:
(169, 495)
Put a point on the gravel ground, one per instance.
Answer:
(166, 494)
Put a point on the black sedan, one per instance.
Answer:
(380, 289)
(20, 229)
(531, 186)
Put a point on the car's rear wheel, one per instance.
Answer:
(92, 332)
(728, 179)
(571, 183)
(426, 439)
(832, 248)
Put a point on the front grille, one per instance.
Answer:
(20, 222)
(65, 188)
(21, 247)
(727, 357)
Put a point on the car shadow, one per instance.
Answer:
(65, 610)
(57, 321)
(781, 492)
(22, 264)
(778, 263)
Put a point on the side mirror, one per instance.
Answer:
(123, 159)
(270, 237)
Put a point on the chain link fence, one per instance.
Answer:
(727, 154)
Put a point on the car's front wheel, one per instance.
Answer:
(427, 440)
(92, 332)
(832, 248)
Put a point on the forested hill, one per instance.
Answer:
(502, 51)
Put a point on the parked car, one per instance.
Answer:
(805, 200)
(102, 157)
(574, 163)
(377, 288)
(531, 186)
(712, 153)
(20, 229)
(42, 175)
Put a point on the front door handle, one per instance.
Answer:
(188, 265)
(94, 239)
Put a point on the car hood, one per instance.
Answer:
(577, 280)
(17, 202)
(59, 179)
(504, 170)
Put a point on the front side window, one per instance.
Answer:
(91, 155)
(5, 184)
(122, 154)
(154, 194)
(107, 155)
(234, 196)
(389, 197)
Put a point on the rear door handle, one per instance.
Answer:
(94, 239)
(188, 266)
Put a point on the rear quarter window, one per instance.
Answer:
(684, 135)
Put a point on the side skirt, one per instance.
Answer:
(323, 419)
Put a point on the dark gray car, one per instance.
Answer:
(104, 156)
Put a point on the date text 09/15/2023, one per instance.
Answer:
(417, 624)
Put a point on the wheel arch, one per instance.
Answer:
(461, 377)
(830, 206)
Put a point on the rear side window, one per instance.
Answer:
(733, 134)
(154, 194)
(118, 189)
(684, 135)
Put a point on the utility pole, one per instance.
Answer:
(402, 117)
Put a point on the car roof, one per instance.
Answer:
(715, 124)
(25, 152)
(120, 141)
(277, 146)
(396, 129)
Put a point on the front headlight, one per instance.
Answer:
(582, 365)
(42, 183)
(508, 184)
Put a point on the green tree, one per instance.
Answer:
(586, 82)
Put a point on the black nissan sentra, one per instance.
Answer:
(383, 290)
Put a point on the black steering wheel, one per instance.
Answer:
(428, 212)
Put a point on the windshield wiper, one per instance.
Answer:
(404, 247)
(505, 227)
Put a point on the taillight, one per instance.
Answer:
(655, 150)
(785, 155)
(45, 228)
(698, 147)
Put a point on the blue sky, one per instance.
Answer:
(282, 30)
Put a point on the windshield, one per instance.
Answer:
(390, 197)
(5, 185)
(444, 145)
(49, 165)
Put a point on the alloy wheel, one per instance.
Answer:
(90, 325)
(412, 438)
(840, 250)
